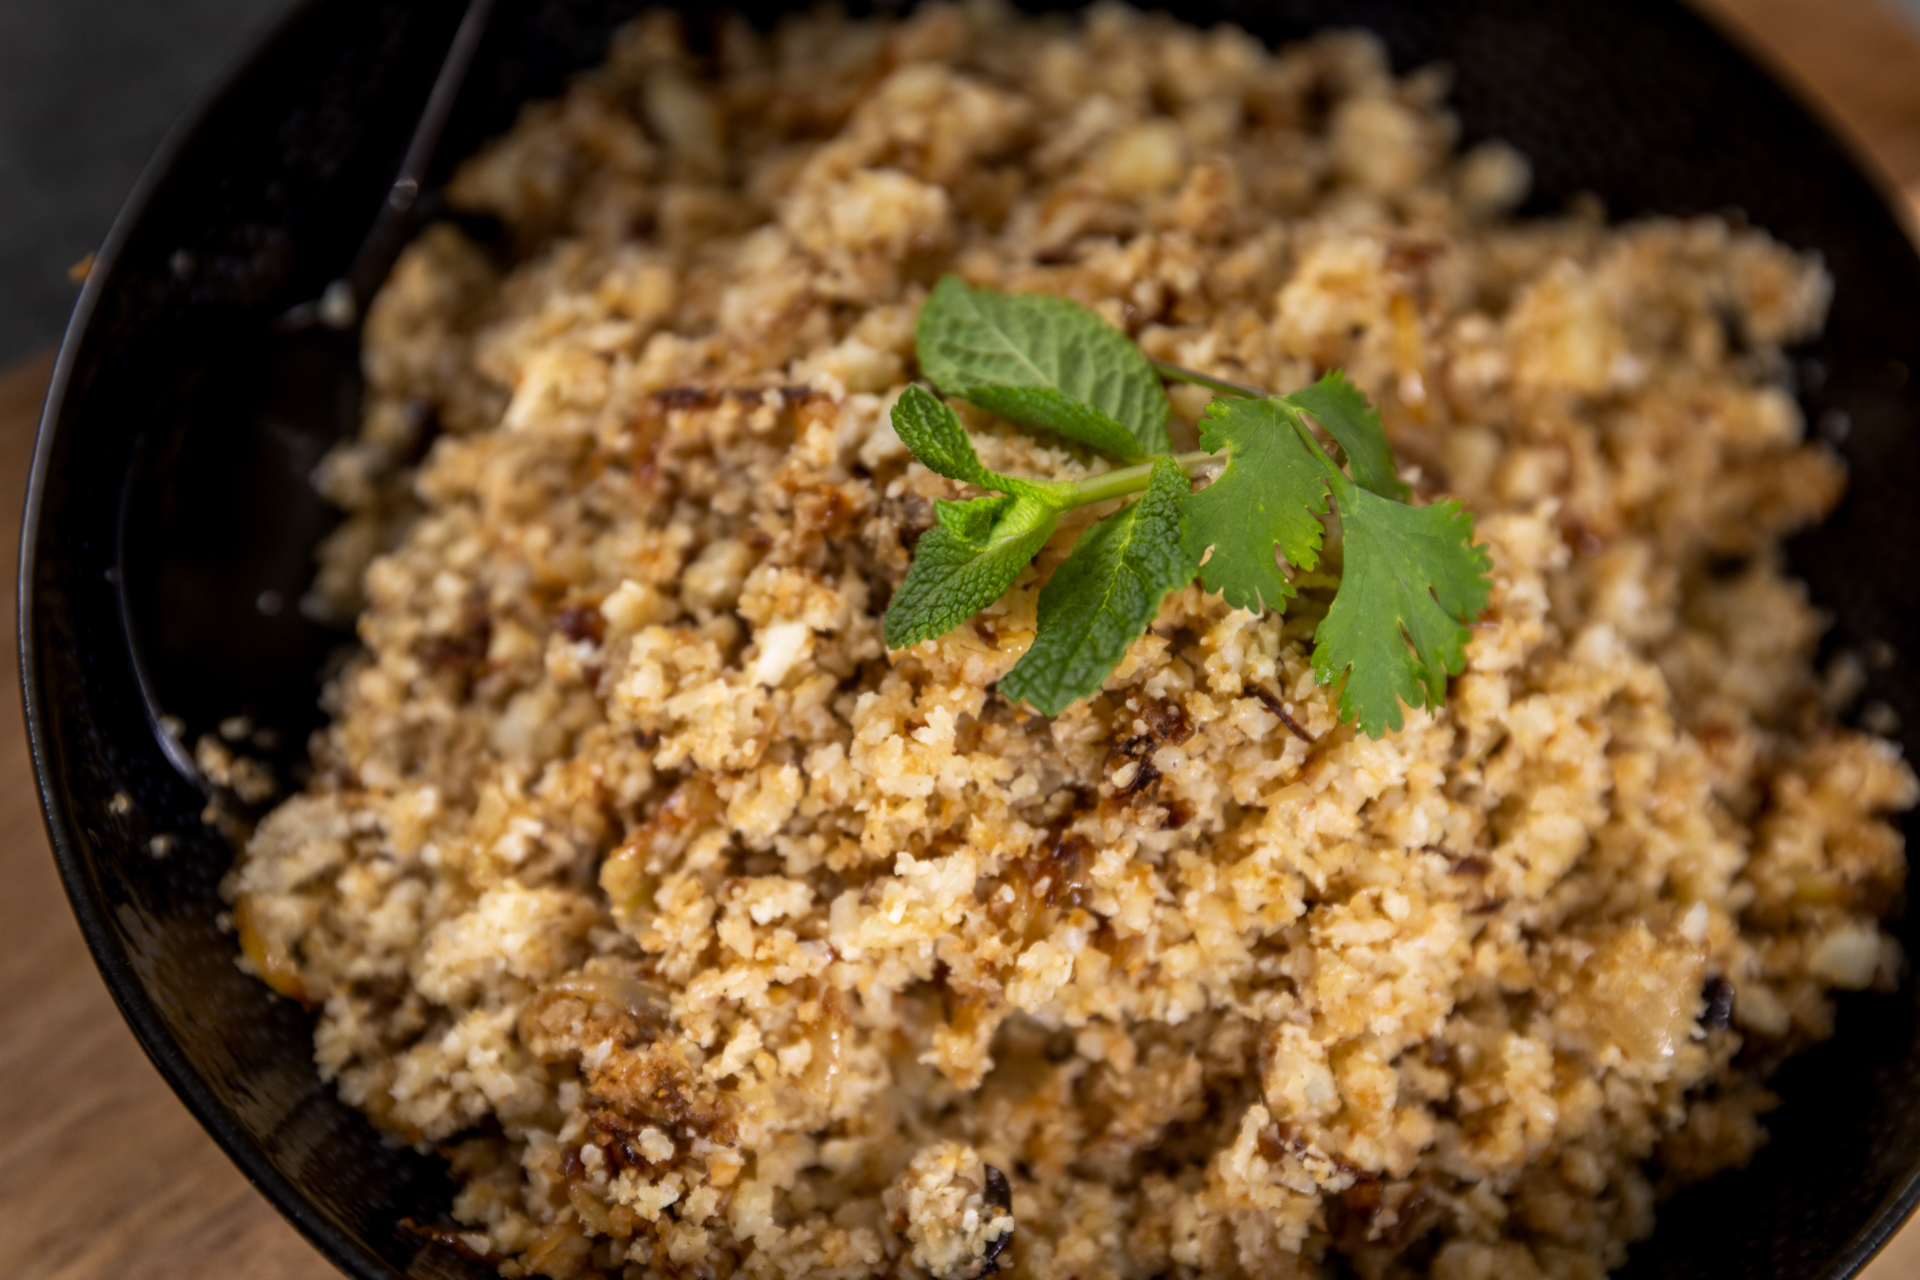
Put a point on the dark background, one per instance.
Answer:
(87, 90)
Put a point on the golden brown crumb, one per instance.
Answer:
(724, 941)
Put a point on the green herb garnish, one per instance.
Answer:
(1104, 594)
(1044, 362)
(1412, 579)
(976, 549)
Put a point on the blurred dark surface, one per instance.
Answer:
(87, 90)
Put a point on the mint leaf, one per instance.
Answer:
(1270, 492)
(1043, 362)
(1104, 595)
(975, 549)
(1342, 409)
(931, 430)
(1412, 579)
(966, 562)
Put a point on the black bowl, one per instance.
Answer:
(169, 511)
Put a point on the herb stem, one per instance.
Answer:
(1125, 480)
(1180, 373)
(1327, 464)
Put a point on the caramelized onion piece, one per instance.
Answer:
(270, 959)
(645, 1000)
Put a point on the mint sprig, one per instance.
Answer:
(965, 562)
(1412, 578)
(1043, 362)
(976, 549)
(1104, 595)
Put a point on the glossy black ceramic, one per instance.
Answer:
(170, 511)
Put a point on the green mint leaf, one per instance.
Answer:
(975, 549)
(1412, 579)
(966, 562)
(1270, 493)
(1342, 409)
(930, 428)
(1104, 595)
(1044, 362)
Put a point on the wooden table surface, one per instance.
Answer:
(103, 1174)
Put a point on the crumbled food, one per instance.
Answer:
(709, 937)
(954, 1210)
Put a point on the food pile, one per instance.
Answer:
(707, 936)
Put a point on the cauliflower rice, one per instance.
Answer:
(708, 938)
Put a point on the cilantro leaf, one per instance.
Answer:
(1043, 361)
(966, 562)
(1104, 595)
(1412, 579)
(1342, 409)
(1271, 492)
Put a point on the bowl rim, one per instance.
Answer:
(291, 1200)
